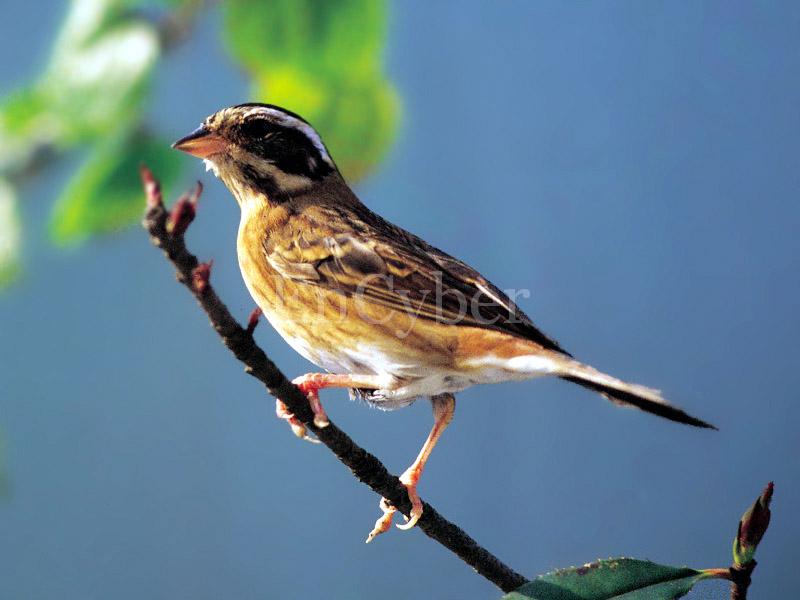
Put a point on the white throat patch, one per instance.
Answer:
(211, 166)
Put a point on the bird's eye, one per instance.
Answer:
(256, 128)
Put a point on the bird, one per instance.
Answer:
(383, 313)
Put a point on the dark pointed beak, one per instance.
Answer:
(201, 143)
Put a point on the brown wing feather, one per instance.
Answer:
(395, 269)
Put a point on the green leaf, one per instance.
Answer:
(106, 193)
(100, 65)
(336, 36)
(322, 60)
(612, 579)
(24, 127)
(10, 235)
(20, 109)
(95, 82)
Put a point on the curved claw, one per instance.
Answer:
(416, 503)
(297, 426)
(384, 522)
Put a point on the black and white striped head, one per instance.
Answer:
(260, 148)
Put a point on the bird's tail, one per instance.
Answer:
(626, 394)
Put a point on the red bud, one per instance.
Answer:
(194, 196)
(181, 216)
(152, 189)
(252, 322)
(184, 211)
(752, 527)
(200, 276)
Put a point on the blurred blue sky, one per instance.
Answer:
(635, 164)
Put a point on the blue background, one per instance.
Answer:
(635, 164)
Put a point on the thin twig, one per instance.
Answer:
(366, 467)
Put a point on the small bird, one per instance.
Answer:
(383, 312)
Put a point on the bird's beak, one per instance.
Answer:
(201, 143)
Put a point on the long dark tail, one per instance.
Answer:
(627, 394)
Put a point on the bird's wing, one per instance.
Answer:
(384, 264)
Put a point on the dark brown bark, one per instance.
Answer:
(740, 580)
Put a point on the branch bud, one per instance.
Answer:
(152, 189)
(252, 322)
(194, 196)
(184, 211)
(752, 527)
(200, 276)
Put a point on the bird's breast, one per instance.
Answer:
(339, 332)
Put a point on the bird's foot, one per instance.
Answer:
(310, 384)
(296, 424)
(384, 522)
(409, 479)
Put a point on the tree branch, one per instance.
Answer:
(166, 232)
(740, 577)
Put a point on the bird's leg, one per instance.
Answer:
(310, 384)
(444, 406)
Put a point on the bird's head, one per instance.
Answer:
(260, 148)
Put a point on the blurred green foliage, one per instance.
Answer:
(320, 59)
(106, 192)
(94, 84)
(9, 233)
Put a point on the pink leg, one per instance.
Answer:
(310, 384)
(444, 407)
